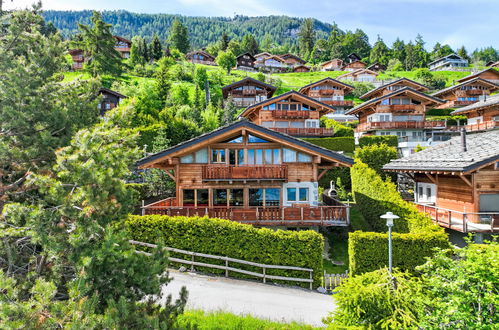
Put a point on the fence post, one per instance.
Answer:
(311, 278)
(192, 265)
(226, 267)
(264, 273)
(143, 210)
(348, 214)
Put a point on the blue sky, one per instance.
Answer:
(473, 23)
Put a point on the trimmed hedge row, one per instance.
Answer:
(231, 239)
(368, 251)
(341, 143)
(339, 129)
(367, 140)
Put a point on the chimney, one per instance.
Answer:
(463, 140)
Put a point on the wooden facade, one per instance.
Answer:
(110, 100)
(329, 91)
(482, 115)
(292, 60)
(248, 91)
(123, 46)
(78, 57)
(332, 65)
(490, 74)
(245, 61)
(362, 75)
(244, 172)
(201, 57)
(301, 68)
(450, 63)
(356, 65)
(291, 113)
(392, 87)
(377, 67)
(466, 92)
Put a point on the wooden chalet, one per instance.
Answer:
(301, 68)
(493, 64)
(457, 182)
(78, 57)
(332, 65)
(247, 173)
(489, 74)
(353, 66)
(292, 60)
(362, 75)
(377, 67)
(110, 100)
(401, 113)
(292, 113)
(482, 115)
(466, 93)
(123, 46)
(201, 57)
(392, 87)
(450, 62)
(262, 56)
(272, 63)
(248, 91)
(245, 61)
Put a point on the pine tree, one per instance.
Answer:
(249, 44)
(380, 52)
(306, 36)
(178, 36)
(163, 79)
(97, 42)
(421, 54)
(335, 43)
(156, 48)
(230, 111)
(224, 41)
(136, 52)
(398, 50)
(462, 52)
(411, 57)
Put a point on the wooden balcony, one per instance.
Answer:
(478, 127)
(298, 114)
(400, 125)
(465, 222)
(214, 172)
(305, 216)
(202, 62)
(340, 103)
(306, 131)
(477, 92)
(458, 103)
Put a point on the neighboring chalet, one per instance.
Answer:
(123, 46)
(457, 182)
(248, 91)
(78, 58)
(201, 57)
(493, 64)
(449, 63)
(401, 113)
(110, 100)
(272, 63)
(245, 61)
(362, 75)
(292, 60)
(301, 68)
(466, 93)
(332, 65)
(261, 56)
(377, 67)
(292, 113)
(247, 173)
(331, 92)
(392, 87)
(489, 74)
(354, 63)
(482, 115)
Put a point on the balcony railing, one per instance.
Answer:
(462, 103)
(202, 61)
(305, 131)
(466, 222)
(340, 103)
(264, 216)
(244, 172)
(477, 92)
(400, 125)
(481, 126)
(291, 114)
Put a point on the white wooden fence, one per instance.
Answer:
(264, 276)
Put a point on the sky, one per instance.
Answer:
(472, 23)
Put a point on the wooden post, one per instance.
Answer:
(192, 265)
(264, 273)
(311, 278)
(226, 267)
(143, 211)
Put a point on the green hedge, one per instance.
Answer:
(339, 129)
(341, 143)
(368, 251)
(232, 239)
(367, 140)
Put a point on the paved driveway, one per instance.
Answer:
(246, 297)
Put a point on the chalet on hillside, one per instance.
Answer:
(245, 61)
(457, 182)
(482, 115)
(353, 66)
(301, 68)
(292, 60)
(392, 87)
(489, 74)
(272, 63)
(248, 91)
(110, 100)
(332, 65)
(292, 113)
(466, 93)
(78, 58)
(493, 64)
(247, 173)
(123, 46)
(201, 57)
(362, 75)
(449, 63)
(401, 113)
(353, 57)
(331, 92)
(377, 67)
(262, 56)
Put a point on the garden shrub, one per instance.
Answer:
(235, 240)
(343, 143)
(376, 156)
(147, 135)
(367, 140)
(339, 128)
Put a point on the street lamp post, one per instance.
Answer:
(389, 216)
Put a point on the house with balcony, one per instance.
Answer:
(450, 62)
(201, 57)
(401, 113)
(292, 60)
(272, 63)
(250, 174)
(377, 67)
(457, 182)
(110, 100)
(248, 91)
(482, 115)
(353, 63)
(301, 68)
(332, 65)
(291, 113)
(261, 56)
(123, 46)
(331, 92)
(78, 57)
(392, 87)
(489, 74)
(466, 93)
(362, 75)
(245, 61)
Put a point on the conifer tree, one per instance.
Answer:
(230, 111)
(249, 44)
(380, 52)
(178, 36)
(306, 36)
(156, 48)
(224, 41)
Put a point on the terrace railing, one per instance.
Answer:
(244, 172)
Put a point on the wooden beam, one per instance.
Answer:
(432, 179)
(171, 175)
(466, 180)
(322, 174)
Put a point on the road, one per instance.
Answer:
(245, 297)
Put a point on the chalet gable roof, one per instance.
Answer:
(354, 57)
(450, 56)
(201, 52)
(329, 80)
(471, 76)
(491, 101)
(411, 83)
(405, 90)
(246, 54)
(293, 56)
(482, 150)
(247, 81)
(357, 72)
(123, 39)
(109, 91)
(467, 82)
(238, 126)
(333, 60)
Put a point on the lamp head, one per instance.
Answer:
(389, 216)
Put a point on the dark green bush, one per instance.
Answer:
(339, 128)
(376, 156)
(367, 140)
(147, 135)
(232, 239)
(368, 251)
(439, 112)
(343, 143)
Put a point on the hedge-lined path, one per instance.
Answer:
(246, 297)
